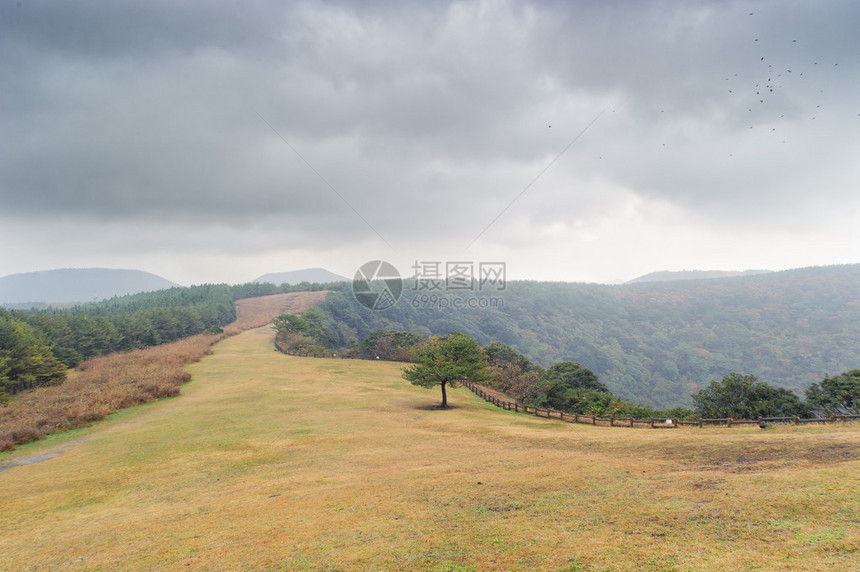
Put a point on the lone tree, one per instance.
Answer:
(445, 361)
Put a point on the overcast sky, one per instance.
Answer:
(577, 141)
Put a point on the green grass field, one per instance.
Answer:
(268, 461)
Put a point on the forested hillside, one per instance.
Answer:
(653, 343)
(36, 346)
(128, 322)
(672, 276)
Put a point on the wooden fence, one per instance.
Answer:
(510, 404)
(324, 353)
(653, 423)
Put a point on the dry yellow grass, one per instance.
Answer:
(277, 462)
(256, 312)
(109, 383)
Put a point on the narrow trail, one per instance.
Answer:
(251, 313)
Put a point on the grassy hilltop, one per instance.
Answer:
(270, 461)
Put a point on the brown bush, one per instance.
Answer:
(102, 386)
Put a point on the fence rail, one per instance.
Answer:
(323, 353)
(653, 423)
(511, 404)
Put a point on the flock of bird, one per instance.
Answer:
(764, 88)
(780, 83)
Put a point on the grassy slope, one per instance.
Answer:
(105, 384)
(272, 461)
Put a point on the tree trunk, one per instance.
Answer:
(444, 396)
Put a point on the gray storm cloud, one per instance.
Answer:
(426, 115)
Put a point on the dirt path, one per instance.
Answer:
(251, 313)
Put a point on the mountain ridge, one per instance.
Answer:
(677, 275)
(318, 275)
(76, 285)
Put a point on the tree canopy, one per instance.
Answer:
(131, 322)
(290, 323)
(389, 345)
(446, 361)
(571, 375)
(840, 393)
(744, 397)
(25, 355)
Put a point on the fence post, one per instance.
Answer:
(729, 422)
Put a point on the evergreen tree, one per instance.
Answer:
(744, 397)
(840, 393)
(25, 355)
(446, 361)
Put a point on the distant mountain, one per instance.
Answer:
(671, 276)
(70, 285)
(312, 275)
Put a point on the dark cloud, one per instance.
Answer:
(427, 118)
